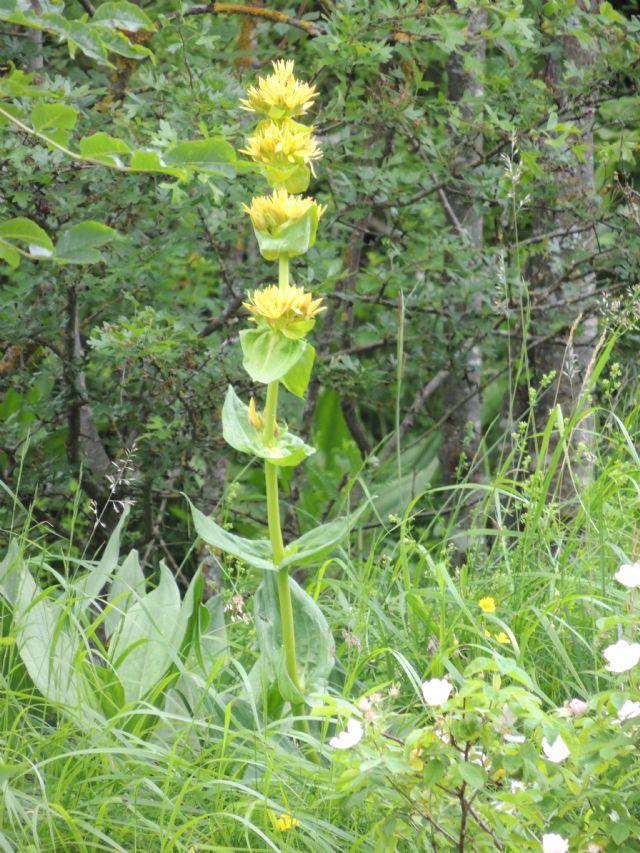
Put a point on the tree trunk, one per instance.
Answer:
(462, 429)
(567, 353)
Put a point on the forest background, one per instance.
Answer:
(478, 168)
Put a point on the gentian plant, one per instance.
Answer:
(295, 643)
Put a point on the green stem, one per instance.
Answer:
(277, 545)
(283, 271)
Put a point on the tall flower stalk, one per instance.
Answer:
(275, 351)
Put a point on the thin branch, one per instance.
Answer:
(276, 17)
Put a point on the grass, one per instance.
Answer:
(215, 771)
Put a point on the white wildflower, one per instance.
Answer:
(352, 735)
(622, 656)
(554, 843)
(556, 751)
(629, 575)
(628, 711)
(436, 691)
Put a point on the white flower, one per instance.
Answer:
(628, 711)
(516, 785)
(556, 751)
(554, 843)
(349, 737)
(514, 738)
(436, 691)
(629, 575)
(622, 656)
(577, 707)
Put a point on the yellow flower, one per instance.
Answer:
(283, 144)
(503, 638)
(269, 212)
(290, 310)
(486, 633)
(487, 604)
(287, 822)
(280, 95)
(255, 418)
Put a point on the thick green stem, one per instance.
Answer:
(283, 272)
(275, 535)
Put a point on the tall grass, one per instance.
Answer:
(209, 770)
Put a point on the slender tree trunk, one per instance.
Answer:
(566, 355)
(462, 429)
(83, 441)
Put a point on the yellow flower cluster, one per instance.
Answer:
(269, 212)
(280, 95)
(282, 144)
(274, 304)
(285, 149)
(287, 822)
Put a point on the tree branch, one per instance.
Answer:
(276, 17)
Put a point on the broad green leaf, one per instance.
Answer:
(208, 155)
(9, 254)
(122, 16)
(48, 649)
(10, 569)
(297, 379)
(150, 161)
(318, 542)
(256, 552)
(88, 588)
(117, 42)
(269, 355)
(148, 638)
(314, 642)
(472, 774)
(57, 116)
(287, 449)
(101, 145)
(22, 230)
(291, 239)
(128, 583)
(78, 244)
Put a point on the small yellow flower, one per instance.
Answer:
(280, 95)
(255, 418)
(290, 309)
(487, 604)
(503, 638)
(286, 143)
(486, 633)
(286, 822)
(269, 212)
